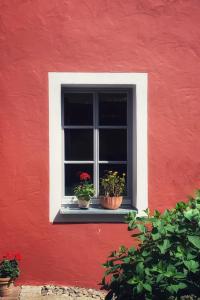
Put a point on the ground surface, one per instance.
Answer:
(54, 292)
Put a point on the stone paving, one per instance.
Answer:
(49, 292)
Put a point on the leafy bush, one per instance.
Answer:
(9, 266)
(166, 263)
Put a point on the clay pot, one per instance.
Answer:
(111, 202)
(83, 203)
(6, 287)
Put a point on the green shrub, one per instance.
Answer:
(166, 262)
(9, 265)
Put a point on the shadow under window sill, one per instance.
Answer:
(70, 213)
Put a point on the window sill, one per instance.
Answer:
(95, 214)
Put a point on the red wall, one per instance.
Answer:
(159, 37)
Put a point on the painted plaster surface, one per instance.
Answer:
(158, 37)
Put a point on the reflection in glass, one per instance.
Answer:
(78, 109)
(78, 144)
(113, 144)
(112, 109)
(72, 173)
(120, 168)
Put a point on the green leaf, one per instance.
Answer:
(132, 225)
(192, 214)
(180, 205)
(140, 268)
(159, 278)
(147, 271)
(180, 275)
(191, 256)
(145, 253)
(141, 228)
(157, 213)
(127, 260)
(192, 265)
(139, 288)
(165, 246)
(131, 250)
(171, 268)
(133, 281)
(147, 287)
(188, 214)
(174, 288)
(170, 228)
(156, 236)
(198, 205)
(195, 240)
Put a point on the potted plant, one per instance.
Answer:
(113, 185)
(9, 271)
(84, 191)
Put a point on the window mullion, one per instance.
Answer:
(96, 142)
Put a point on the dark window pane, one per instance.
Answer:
(120, 168)
(112, 144)
(112, 109)
(78, 144)
(78, 109)
(72, 172)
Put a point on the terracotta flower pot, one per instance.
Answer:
(6, 286)
(83, 202)
(111, 202)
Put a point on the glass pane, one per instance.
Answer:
(112, 109)
(78, 109)
(120, 168)
(78, 144)
(72, 173)
(112, 144)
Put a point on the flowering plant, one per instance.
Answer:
(85, 189)
(112, 184)
(9, 266)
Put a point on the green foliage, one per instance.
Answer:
(113, 184)
(9, 268)
(85, 190)
(166, 263)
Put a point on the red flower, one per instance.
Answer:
(85, 176)
(18, 256)
(12, 256)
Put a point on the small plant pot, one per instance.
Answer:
(6, 287)
(83, 203)
(111, 202)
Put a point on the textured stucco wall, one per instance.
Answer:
(159, 37)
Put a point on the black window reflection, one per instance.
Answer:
(78, 144)
(113, 109)
(78, 109)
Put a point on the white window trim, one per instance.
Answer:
(56, 80)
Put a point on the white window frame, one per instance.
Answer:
(136, 81)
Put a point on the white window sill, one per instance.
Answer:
(95, 214)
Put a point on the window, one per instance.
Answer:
(96, 125)
(97, 122)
